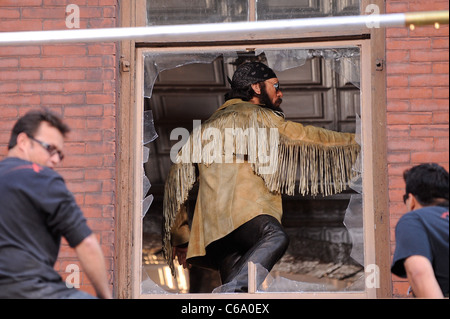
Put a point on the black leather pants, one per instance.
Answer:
(261, 240)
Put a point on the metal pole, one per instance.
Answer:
(226, 31)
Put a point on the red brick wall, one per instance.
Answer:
(77, 81)
(417, 103)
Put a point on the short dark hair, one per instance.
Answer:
(30, 122)
(427, 182)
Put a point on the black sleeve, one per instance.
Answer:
(64, 216)
(411, 239)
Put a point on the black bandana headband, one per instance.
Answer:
(250, 73)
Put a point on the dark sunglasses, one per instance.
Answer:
(277, 86)
(51, 149)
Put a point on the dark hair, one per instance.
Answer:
(427, 182)
(30, 122)
(245, 94)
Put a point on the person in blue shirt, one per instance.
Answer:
(422, 234)
(36, 211)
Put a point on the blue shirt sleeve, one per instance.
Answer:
(411, 239)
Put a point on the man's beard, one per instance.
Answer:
(266, 101)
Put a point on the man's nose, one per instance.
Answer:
(54, 159)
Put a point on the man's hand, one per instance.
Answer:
(180, 253)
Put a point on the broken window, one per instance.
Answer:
(321, 87)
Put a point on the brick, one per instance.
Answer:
(83, 62)
(426, 6)
(441, 67)
(440, 43)
(63, 99)
(105, 98)
(100, 173)
(426, 157)
(84, 186)
(409, 93)
(401, 56)
(40, 86)
(408, 68)
(408, 44)
(83, 86)
(64, 50)
(72, 173)
(74, 148)
(23, 3)
(429, 56)
(400, 157)
(101, 49)
(82, 110)
(92, 211)
(440, 117)
(428, 32)
(397, 81)
(8, 112)
(429, 131)
(85, 136)
(102, 198)
(76, 160)
(402, 144)
(101, 123)
(8, 87)
(42, 62)
(100, 148)
(20, 99)
(44, 12)
(56, 74)
(20, 25)
(64, 2)
(11, 13)
(440, 93)
(103, 23)
(441, 143)
(427, 80)
(396, 182)
(17, 51)
(398, 105)
(9, 63)
(90, 12)
(428, 104)
(396, 33)
(409, 118)
(59, 24)
(398, 131)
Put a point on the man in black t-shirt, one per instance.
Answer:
(36, 211)
(422, 235)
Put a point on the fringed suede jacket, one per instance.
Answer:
(244, 157)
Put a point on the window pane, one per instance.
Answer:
(320, 88)
(294, 9)
(168, 12)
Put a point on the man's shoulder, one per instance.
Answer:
(17, 166)
(428, 214)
